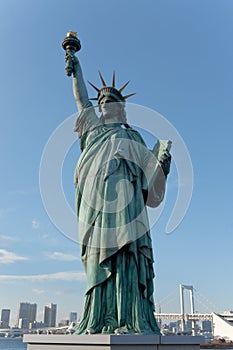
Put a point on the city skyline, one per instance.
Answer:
(178, 56)
(28, 312)
(187, 305)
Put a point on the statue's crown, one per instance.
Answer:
(110, 91)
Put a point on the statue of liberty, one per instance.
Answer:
(116, 178)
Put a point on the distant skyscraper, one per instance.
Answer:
(32, 313)
(26, 314)
(5, 318)
(50, 314)
(73, 316)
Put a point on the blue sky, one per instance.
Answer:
(178, 55)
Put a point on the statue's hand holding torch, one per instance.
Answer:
(70, 44)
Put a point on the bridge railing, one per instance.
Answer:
(188, 317)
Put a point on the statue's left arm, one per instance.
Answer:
(159, 167)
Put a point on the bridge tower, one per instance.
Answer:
(190, 289)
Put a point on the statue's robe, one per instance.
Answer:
(116, 177)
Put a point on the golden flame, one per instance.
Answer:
(72, 34)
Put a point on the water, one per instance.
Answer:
(12, 344)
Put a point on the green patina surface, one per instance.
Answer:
(116, 243)
(116, 178)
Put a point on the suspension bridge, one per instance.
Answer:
(193, 315)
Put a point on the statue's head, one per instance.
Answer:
(111, 101)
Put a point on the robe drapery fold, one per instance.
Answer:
(116, 177)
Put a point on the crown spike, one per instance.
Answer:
(127, 96)
(102, 79)
(113, 79)
(124, 86)
(94, 86)
(93, 98)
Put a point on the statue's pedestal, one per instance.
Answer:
(112, 342)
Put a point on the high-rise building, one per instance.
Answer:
(32, 313)
(73, 316)
(50, 314)
(26, 314)
(5, 318)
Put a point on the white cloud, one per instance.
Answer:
(58, 276)
(62, 256)
(4, 238)
(38, 291)
(7, 257)
(35, 224)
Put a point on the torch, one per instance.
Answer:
(70, 44)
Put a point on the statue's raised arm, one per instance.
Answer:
(87, 118)
(71, 44)
(79, 87)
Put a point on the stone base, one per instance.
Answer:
(111, 342)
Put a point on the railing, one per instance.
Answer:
(188, 317)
